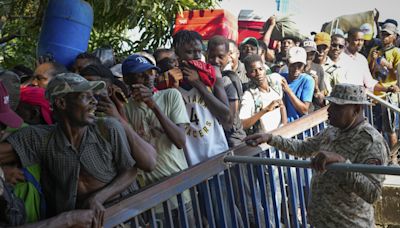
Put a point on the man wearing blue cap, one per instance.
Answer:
(159, 117)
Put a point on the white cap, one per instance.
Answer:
(297, 54)
(117, 70)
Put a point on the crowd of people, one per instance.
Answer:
(76, 137)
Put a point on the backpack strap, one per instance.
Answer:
(31, 179)
(14, 213)
(257, 126)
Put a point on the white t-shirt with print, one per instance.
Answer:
(205, 136)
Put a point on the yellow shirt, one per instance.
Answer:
(392, 56)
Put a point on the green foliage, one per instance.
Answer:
(21, 19)
(112, 19)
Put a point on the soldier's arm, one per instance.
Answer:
(296, 147)
(367, 186)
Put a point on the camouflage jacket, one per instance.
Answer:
(342, 199)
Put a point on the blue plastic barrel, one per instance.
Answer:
(65, 30)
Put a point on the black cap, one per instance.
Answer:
(393, 21)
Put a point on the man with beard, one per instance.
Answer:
(340, 199)
(79, 167)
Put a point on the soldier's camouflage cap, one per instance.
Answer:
(344, 93)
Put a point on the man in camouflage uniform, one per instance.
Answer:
(340, 199)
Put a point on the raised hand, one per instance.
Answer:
(142, 93)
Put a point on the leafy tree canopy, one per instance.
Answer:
(20, 22)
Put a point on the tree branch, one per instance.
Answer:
(8, 38)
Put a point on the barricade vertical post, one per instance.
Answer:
(182, 212)
(167, 213)
(216, 190)
(242, 193)
(282, 183)
(196, 207)
(231, 201)
(274, 192)
(253, 195)
(263, 191)
(205, 192)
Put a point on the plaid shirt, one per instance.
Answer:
(61, 162)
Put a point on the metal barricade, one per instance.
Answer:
(224, 195)
(227, 194)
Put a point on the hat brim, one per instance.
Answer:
(91, 85)
(251, 42)
(297, 60)
(11, 119)
(310, 49)
(344, 102)
(389, 31)
(327, 43)
(142, 68)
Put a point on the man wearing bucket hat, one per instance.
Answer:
(340, 199)
(80, 168)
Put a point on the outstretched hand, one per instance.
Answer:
(257, 139)
(324, 158)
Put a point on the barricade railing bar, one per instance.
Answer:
(384, 102)
(344, 167)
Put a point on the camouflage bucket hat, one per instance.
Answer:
(348, 94)
(70, 83)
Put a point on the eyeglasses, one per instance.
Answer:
(340, 46)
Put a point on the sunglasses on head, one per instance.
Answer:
(337, 45)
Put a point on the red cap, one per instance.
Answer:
(35, 96)
(7, 116)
